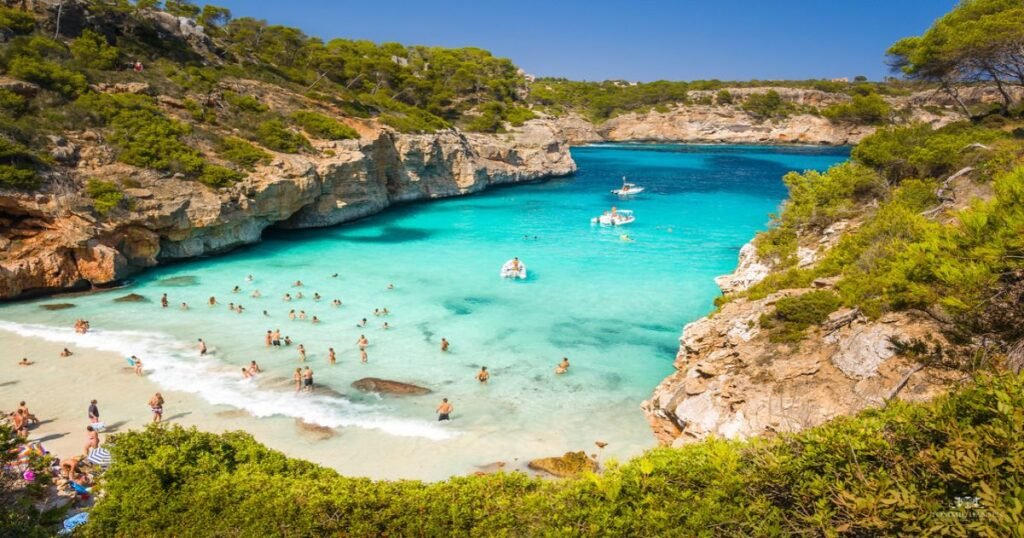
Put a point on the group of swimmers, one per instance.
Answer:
(81, 326)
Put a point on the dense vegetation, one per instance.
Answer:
(949, 468)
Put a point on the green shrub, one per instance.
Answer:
(894, 471)
(16, 21)
(19, 166)
(517, 115)
(245, 103)
(723, 97)
(12, 103)
(767, 105)
(919, 151)
(322, 126)
(219, 176)
(105, 195)
(92, 50)
(274, 135)
(19, 177)
(242, 153)
(868, 109)
(47, 74)
(793, 315)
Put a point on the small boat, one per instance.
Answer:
(628, 189)
(614, 218)
(514, 269)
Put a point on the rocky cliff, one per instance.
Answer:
(53, 240)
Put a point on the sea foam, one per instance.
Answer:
(170, 364)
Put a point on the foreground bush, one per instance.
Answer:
(952, 467)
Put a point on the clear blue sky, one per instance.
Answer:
(634, 40)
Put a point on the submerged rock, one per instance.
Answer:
(569, 464)
(57, 306)
(131, 298)
(386, 386)
(185, 280)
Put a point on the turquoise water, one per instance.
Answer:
(615, 308)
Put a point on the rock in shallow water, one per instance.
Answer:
(386, 386)
(185, 280)
(131, 298)
(57, 306)
(569, 464)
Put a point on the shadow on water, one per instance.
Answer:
(390, 235)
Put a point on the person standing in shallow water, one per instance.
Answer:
(164, 301)
(483, 375)
(298, 379)
(307, 378)
(202, 347)
(444, 410)
(563, 366)
(331, 357)
(444, 344)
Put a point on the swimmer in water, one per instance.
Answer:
(363, 357)
(302, 353)
(336, 303)
(361, 323)
(362, 342)
(385, 312)
(444, 410)
(236, 289)
(391, 286)
(563, 366)
(315, 320)
(212, 301)
(335, 275)
(277, 338)
(297, 284)
(298, 379)
(482, 376)
(331, 357)
(202, 347)
(302, 315)
(255, 294)
(266, 314)
(184, 306)
(385, 326)
(287, 340)
(287, 297)
(269, 339)
(316, 296)
(307, 378)
(376, 311)
(298, 295)
(245, 373)
(231, 307)
(163, 300)
(249, 278)
(444, 345)
(254, 368)
(291, 314)
(239, 309)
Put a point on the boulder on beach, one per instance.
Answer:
(57, 306)
(386, 386)
(570, 464)
(131, 298)
(315, 432)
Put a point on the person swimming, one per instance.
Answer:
(483, 375)
(246, 374)
(563, 366)
(287, 297)
(184, 306)
(385, 326)
(331, 357)
(336, 303)
(391, 286)
(287, 340)
(298, 295)
(316, 320)
(291, 314)
(254, 368)
(444, 344)
(316, 296)
(265, 314)
(302, 315)
(212, 301)
(249, 278)
(255, 294)
(297, 284)
(302, 353)
(236, 289)
(361, 323)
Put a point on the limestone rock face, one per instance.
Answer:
(53, 241)
(749, 271)
(731, 381)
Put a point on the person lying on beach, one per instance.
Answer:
(29, 417)
(482, 376)
(563, 366)
(444, 344)
(25, 362)
(254, 368)
(444, 410)
(69, 467)
(66, 353)
(156, 405)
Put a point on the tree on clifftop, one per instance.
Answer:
(979, 41)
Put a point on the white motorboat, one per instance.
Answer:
(615, 217)
(514, 269)
(628, 189)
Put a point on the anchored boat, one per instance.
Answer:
(628, 189)
(615, 217)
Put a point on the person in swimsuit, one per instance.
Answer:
(66, 353)
(94, 412)
(385, 326)
(269, 339)
(19, 424)
(336, 303)
(239, 309)
(287, 297)
(236, 289)
(249, 278)
(363, 356)
(298, 379)
(254, 368)
(164, 301)
(361, 323)
(212, 301)
(277, 337)
(265, 314)
(331, 357)
(297, 284)
(138, 365)
(202, 347)
(92, 440)
(25, 362)
(184, 306)
(302, 353)
(307, 378)
(298, 295)
(316, 319)
(482, 376)
(287, 340)
(362, 342)
(245, 373)
(316, 296)
(444, 410)
(444, 344)
(302, 315)
(26, 414)
(291, 314)
(563, 366)
(231, 307)
(255, 294)
(391, 286)
(156, 404)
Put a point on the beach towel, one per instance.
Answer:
(74, 521)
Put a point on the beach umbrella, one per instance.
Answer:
(100, 456)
